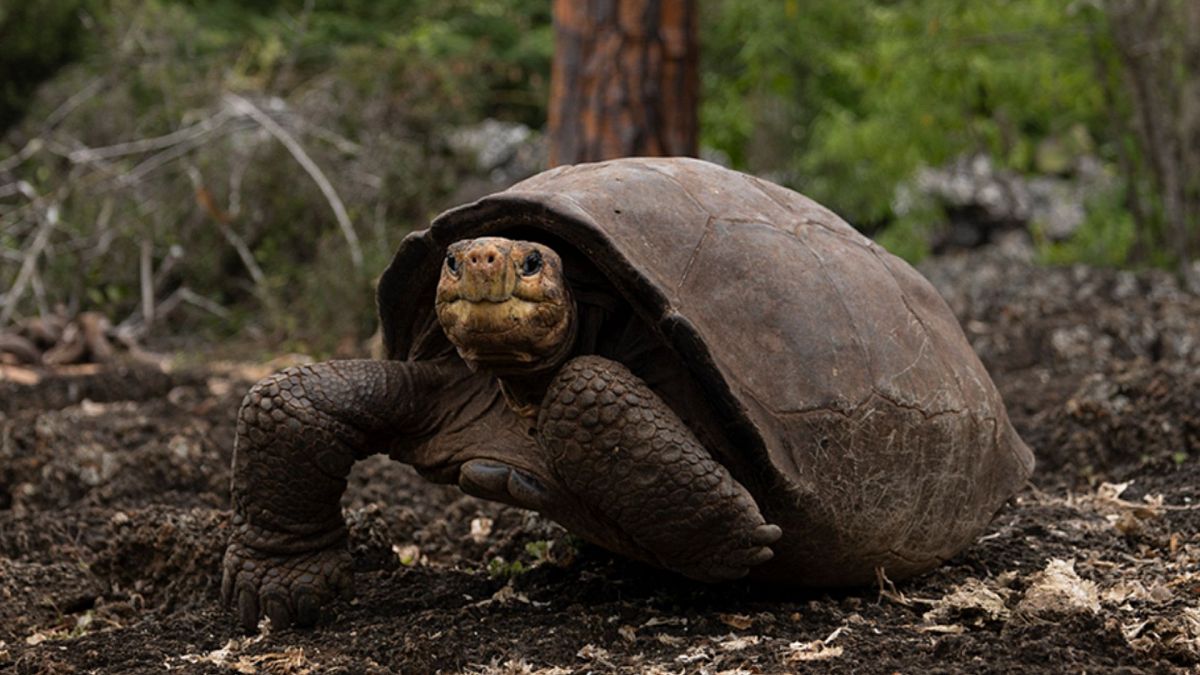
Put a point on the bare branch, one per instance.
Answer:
(31, 148)
(196, 131)
(39, 292)
(244, 106)
(195, 299)
(232, 237)
(172, 153)
(18, 188)
(40, 239)
(77, 99)
(147, 277)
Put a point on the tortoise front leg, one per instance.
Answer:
(645, 486)
(298, 433)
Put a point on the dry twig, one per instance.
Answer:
(40, 238)
(244, 106)
(196, 131)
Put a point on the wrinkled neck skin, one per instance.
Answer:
(525, 387)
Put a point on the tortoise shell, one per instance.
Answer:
(876, 437)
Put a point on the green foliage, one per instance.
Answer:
(909, 235)
(845, 99)
(539, 550)
(1106, 238)
(483, 57)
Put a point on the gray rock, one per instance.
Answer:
(980, 199)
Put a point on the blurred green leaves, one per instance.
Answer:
(845, 99)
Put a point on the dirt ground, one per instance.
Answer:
(114, 496)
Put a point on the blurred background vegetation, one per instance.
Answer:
(155, 150)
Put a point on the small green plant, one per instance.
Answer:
(499, 568)
(539, 550)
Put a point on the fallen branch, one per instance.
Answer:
(20, 348)
(244, 106)
(86, 336)
(888, 590)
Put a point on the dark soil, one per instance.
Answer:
(113, 518)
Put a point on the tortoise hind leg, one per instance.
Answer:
(645, 486)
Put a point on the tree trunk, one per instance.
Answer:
(624, 81)
(1158, 49)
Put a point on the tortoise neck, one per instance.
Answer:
(524, 393)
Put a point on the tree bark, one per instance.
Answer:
(625, 79)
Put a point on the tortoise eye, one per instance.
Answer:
(452, 263)
(532, 264)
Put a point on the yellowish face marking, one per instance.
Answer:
(505, 304)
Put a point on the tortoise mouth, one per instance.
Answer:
(485, 316)
(513, 332)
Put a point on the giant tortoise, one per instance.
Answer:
(681, 363)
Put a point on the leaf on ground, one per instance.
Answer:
(736, 643)
(591, 652)
(665, 621)
(1057, 589)
(694, 655)
(971, 603)
(816, 650)
(943, 629)
(481, 529)
(736, 621)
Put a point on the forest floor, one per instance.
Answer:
(114, 498)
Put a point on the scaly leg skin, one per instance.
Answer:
(647, 487)
(298, 433)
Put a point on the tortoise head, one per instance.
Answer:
(505, 305)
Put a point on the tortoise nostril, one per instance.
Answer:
(491, 259)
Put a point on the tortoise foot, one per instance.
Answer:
(734, 556)
(287, 589)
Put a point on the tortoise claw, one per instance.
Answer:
(287, 589)
(490, 479)
(247, 606)
(764, 535)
